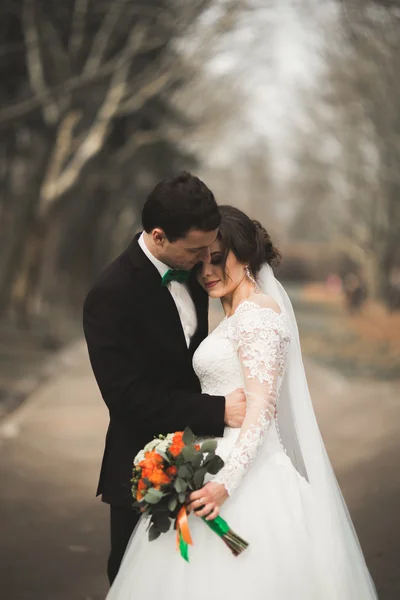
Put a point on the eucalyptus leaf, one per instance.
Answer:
(154, 533)
(161, 521)
(215, 465)
(153, 496)
(188, 436)
(172, 504)
(196, 462)
(164, 456)
(182, 497)
(198, 478)
(209, 446)
(184, 471)
(180, 485)
(189, 453)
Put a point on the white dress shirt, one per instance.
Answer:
(179, 292)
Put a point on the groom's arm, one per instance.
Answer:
(125, 384)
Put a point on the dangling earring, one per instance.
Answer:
(250, 276)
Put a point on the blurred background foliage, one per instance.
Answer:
(290, 110)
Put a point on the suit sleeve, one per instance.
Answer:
(128, 390)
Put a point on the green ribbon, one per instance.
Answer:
(178, 275)
(183, 547)
(218, 525)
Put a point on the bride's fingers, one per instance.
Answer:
(195, 504)
(213, 515)
(199, 503)
(196, 496)
(205, 510)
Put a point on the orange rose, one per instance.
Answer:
(141, 488)
(177, 444)
(152, 461)
(197, 447)
(178, 438)
(159, 478)
(172, 471)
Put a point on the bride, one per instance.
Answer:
(277, 489)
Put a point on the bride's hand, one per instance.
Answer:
(209, 498)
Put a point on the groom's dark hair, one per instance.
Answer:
(180, 204)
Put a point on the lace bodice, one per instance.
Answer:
(249, 350)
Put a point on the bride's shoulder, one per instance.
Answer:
(260, 301)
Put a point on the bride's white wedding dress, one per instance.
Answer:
(272, 506)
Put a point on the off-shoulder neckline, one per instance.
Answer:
(279, 314)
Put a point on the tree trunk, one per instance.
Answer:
(25, 288)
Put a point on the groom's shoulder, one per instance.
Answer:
(115, 283)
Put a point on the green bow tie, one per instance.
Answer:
(175, 275)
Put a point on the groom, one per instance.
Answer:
(143, 320)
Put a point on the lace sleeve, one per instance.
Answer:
(260, 338)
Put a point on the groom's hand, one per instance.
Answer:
(235, 408)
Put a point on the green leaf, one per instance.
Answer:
(161, 521)
(164, 456)
(185, 472)
(198, 478)
(180, 485)
(182, 497)
(188, 436)
(215, 465)
(153, 496)
(196, 462)
(154, 533)
(209, 446)
(189, 453)
(172, 504)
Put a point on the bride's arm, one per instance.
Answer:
(261, 343)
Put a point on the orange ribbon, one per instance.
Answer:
(182, 528)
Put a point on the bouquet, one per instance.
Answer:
(165, 473)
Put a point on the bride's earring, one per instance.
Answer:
(253, 281)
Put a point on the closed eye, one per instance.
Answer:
(216, 258)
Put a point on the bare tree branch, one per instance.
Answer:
(146, 92)
(59, 53)
(102, 37)
(79, 81)
(140, 139)
(35, 65)
(77, 27)
(52, 189)
(62, 146)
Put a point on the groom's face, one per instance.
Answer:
(186, 252)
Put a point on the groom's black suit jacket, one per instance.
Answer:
(143, 366)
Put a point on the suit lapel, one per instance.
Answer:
(200, 299)
(159, 308)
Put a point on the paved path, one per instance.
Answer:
(54, 534)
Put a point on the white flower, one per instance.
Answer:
(160, 445)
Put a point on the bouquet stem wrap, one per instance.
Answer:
(218, 525)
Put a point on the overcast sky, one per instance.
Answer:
(277, 53)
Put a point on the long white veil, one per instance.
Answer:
(343, 564)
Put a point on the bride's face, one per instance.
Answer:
(216, 280)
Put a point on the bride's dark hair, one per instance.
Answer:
(247, 239)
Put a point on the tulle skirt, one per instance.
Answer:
(287, 557)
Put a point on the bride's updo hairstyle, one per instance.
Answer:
(247, 239)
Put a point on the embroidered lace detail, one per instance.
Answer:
(247, 350)
(257, 332)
